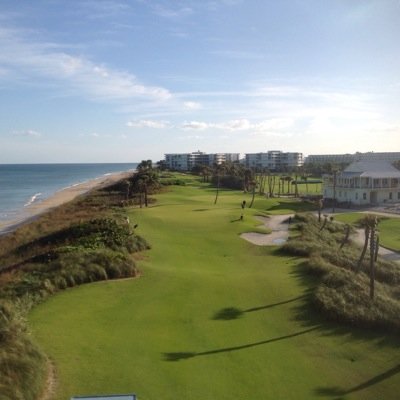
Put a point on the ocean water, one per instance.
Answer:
(23, 184)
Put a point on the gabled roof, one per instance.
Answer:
(371, 169)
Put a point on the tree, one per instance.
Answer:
(287, 179)
(127, 184)
(253, 185)
(206, 172)
(320, 205)
(271, 184)
(145, 165)
(145, 180)
(370, 222)
(247, 178)
(334, 191)
(218, 171)
(305, 179)
(373, 250)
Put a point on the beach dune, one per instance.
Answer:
(63, 196)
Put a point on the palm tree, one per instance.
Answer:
(127, 184)
(146, 178)
(144, 165)
(371, 223)
(320, 205)
(253, 185)
(288, 179)
(218, 170)
(305, 179)
(373, 250)
(247, 178)
(271, 184)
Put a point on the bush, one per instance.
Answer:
(21, 363)
(343, 294)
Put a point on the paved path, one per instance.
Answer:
(279, 227)
(390, 255)
(359, 236)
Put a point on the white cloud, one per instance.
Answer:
(235, 125)
(274, 124)
(243, 124)
(192, 137)
(196, 125)
(192, 105)
(146, 123)
(81, 74)
(27, 133)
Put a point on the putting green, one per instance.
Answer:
(211, 317)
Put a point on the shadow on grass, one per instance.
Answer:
(230, 313)
(336, 391)
(186, 355)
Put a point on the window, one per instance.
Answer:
(398, 195)
(356, 195)
(364, 196)
(390, 196)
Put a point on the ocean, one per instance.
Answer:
(24, 184)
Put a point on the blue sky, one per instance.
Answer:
(121, 81)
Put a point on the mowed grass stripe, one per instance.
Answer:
(212, 316)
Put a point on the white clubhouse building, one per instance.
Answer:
(363, 183)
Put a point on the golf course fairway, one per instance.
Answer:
(211, 317)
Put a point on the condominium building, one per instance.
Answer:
(274, 160)
(186, 161)
(350, 158)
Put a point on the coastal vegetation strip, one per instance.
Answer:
(211, 317)
(83, 241)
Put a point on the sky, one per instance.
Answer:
(122, 81)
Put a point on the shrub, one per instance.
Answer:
(21, 362)
(343, 294)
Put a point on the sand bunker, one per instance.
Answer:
(280, 231)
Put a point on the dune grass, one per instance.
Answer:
(211, 317)
(389, 228)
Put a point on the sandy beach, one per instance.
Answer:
(63, 196)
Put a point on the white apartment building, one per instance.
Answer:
(349, 158)
(274, 160)
(186, 161)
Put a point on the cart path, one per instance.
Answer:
(390, 255)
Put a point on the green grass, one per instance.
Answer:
(389, 228)
(211, 317)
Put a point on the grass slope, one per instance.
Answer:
(212, 317)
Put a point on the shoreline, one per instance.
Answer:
(34, 210)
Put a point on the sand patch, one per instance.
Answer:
(279, 226)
